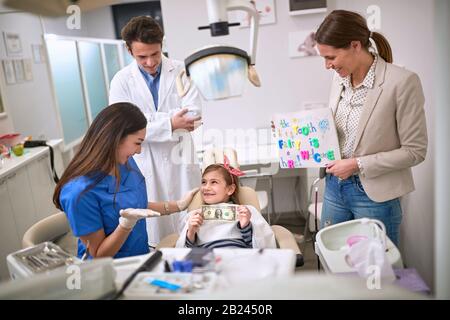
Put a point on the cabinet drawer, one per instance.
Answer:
(21, 200)
(42, 187)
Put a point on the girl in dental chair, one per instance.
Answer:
(220, 185)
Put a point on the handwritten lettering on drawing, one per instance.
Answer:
(306, 138)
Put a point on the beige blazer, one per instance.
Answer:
(392, 132)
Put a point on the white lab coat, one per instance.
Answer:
(170, 170)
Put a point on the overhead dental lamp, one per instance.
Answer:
(219, 71)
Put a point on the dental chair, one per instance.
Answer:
(54, 228)
(247, 196)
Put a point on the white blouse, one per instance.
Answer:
(349, 110)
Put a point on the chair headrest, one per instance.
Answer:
(216, 155)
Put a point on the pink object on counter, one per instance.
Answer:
(354, 239)
(10, 139)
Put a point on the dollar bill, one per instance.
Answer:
(224, 212)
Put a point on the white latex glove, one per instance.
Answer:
(183, 203)
(129, 217)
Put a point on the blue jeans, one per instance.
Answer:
(346, 200)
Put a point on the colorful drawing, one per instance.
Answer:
(306, 139)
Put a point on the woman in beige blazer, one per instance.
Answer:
(380, 120)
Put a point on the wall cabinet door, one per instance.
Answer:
(21, 199)
(112, 60)
(9, 240)
(63, 60)
(42, 187)
(80, 72)
(93, 76)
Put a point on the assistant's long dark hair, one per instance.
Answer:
(97, 155)
(341, 27)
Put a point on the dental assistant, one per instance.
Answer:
(103, 192)
(379, 113)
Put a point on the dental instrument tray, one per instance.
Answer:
(40, 258)
(173, 285)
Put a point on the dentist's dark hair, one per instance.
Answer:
(97, 154)
(142, 29)
(341, 27)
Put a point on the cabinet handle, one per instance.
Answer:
(2, 182)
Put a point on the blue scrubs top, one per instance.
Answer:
(94, 209)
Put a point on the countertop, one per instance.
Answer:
(7, 166)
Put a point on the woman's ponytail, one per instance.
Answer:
(383, 46)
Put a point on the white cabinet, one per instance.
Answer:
(42, 186)
(21, 200)
(9, 239)
(26, 191)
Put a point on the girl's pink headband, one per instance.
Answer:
(233, 171)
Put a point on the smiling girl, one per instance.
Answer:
(220, 186)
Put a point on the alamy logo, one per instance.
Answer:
(374, 277)
(73, 281)
(74, 20)
(374, 17)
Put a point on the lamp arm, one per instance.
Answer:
(249, 7)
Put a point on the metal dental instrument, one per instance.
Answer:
(86, 253)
